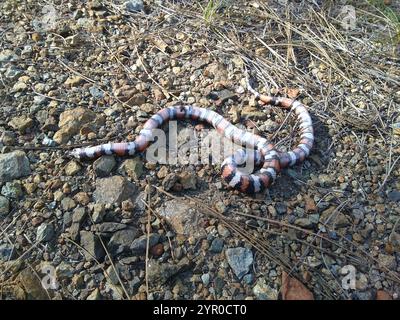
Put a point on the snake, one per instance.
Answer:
(268, 160)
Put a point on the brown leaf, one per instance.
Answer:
(293, 289)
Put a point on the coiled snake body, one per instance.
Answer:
(265, 154)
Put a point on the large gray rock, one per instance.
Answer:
(113, 190)
(13, 165)
(240, 260)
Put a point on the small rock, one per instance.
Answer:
(98, 213)
(13, 165)
(217, 245)
(71, 121)
(79, 215)
(4, 206)
(139, 245)
(113, 190)
(240, 260)
(72, 168)
(387, 261)
(280, 208)
(162, 173)
(121, 241)
(248, 278)
(7, 56)
(45, 232)
(205, 278)
(21, 123)
(304, 223)
(95, 295)
(96, 93)
(134, 6)
(64, 271)
(383, 295)
(159, 273)
(264, 292)
(223, 231)
(182, 218)
(12, 190)
(73, 81)
(310, 205)
(7, 252)
(32, 285)
(104, 165)
(92, 245)
(108, 227)
(293, 289)
(169, 181)
(157, 250)
(188, 180)
(67, 204)
(132, 167)
(394, 196)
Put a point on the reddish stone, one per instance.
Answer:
(293, 289)
(157, 250)
(310, 205)
(383, 295)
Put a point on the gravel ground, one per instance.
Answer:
(123, 228)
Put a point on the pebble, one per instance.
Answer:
(304, 223)
(71, 121)
(183, 219)
(139, 245)
(4, 206)
(45, 232)
(132, 167)
(13, 165)
(113, 190)
(281, 208)
(104, 165)
(122, 240)
(7, 252)
(262, 291)
(72, 168)
(92, 245)
(7, 56)
(217, 245)
(21, 123)
(188, 180)
(96, 93)
(293, 289)
(240, 260)
(205, 278)
(134, 6)
(394, 195)
(12, 190)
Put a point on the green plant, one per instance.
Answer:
(210, 10)
(391, 16)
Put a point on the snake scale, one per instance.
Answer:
(265, 155)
